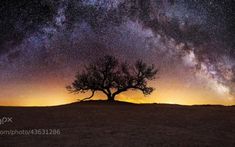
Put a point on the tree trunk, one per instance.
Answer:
(111, 98)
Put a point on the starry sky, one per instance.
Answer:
(43, 43)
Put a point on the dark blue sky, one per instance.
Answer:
(50, 39)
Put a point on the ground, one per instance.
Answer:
(120, 124)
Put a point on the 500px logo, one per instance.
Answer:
(4, 120)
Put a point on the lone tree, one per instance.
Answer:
(112, 77)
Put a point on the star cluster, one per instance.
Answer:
(43, 43)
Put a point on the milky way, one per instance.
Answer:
(46, 42)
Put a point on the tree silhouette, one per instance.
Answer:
(112, 77)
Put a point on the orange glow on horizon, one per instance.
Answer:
(166, 92)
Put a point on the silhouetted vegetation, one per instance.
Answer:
(112, 77)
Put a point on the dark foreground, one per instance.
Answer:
(121, 124)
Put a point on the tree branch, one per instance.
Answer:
(93, 93)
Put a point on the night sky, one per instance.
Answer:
(43, 43)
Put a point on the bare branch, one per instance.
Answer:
(93, 93)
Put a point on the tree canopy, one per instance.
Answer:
(112, 77)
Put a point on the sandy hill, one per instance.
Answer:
(100, 123)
